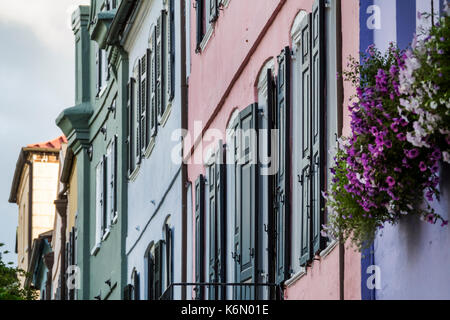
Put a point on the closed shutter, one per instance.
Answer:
(98, 68)
(136, 285)
(72, 262)
(282, 212)
(171, 50)
(247, 172)
(199, 22)
(143, 97)
(213, 10)
(158, 270)
(220, 219)
(130, 103)
(212, 228)
(199, 233)
(154, 79)
(306, 148)
(318, 110)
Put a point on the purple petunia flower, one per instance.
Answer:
(412, 154)
(422, 166)
(444, 223)
(394, 127)
(390, 181)
(401, 137)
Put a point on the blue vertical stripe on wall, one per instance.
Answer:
(365, 34)
(406, 22)
(366, 39)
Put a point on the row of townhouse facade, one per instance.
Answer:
(202, 134)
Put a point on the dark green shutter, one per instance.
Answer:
(161, 34)
(220, 219)
(137, 105)
(169, 256)
(213, 10)
(199, 22)
(247, 173)
(171, 50)
(282, 212)
(212, 228)
(154, 80)
(143, 97)
(158, 270)
(271, 196)
(318, 110)
(136, 285)
(306, 148)
(151, 277)
(127, 292)
(98, 68)
(114, 176)
(130, 141)
(104, 195)
(199, 233)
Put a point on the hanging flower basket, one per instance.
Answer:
(400, 132)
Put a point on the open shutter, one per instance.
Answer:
(212, 228)
(213, 10)
(158, 270)
(318, 110)
(220, 219)
(306, 151)
(282, 213)
(137, 106)
(171, 50)
(98, 68)
(247, 172)
(114, 178)
(199, 233)
(169, 260)
(199, 29)
(154, 80)
(104, 195)
(143, 94)
(271, 196)
(151, 277)
(131, 126)
(98, 203)
(160, 62)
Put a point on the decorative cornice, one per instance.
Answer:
(101, 26)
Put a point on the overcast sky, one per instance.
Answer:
(36, 84)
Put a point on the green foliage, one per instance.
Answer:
(10, 287)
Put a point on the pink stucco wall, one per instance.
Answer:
(223, 78)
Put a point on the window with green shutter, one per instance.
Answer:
(312, 159)
(171, 50)
(211, 185)
(282, 208)
(200, 30)
(169, 258)
(131, 126)
(143, 98)
(158, 270)
(137, 107)
(161, 64)
(247, 171)
(199, 234)
(153, 87)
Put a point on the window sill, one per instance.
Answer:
(295, 277)
(134, 174)
(96, 249)
(150, 148)
(165, 115)
(114, 220)
(106, 234)
(324, 253)
(206, 37)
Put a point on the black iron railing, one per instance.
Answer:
(223, 291)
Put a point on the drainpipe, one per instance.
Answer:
(61, 208)
(30, 206)
(340, 102)
(184, 101)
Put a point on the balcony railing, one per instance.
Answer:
(224, 291)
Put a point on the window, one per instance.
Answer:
(247, 171)
(216, 221)
(135, 292)
(110, 4)
(207, 12)
(102, 69)
(309, 116)
(100, 201)
(168, 246)
(112, 180)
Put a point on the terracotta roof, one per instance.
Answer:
(53, 144)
